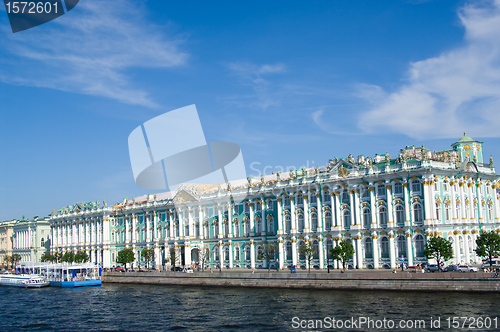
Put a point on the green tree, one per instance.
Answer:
(488, 245)
(48, 258)
(125, 256)
(148, 255)
(309, 252)
(68, 257)
(15, 258)
(7, 260)
(267, 252)
(440, 249)
(81, 257)
(343, 252)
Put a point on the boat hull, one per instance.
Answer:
(75, 284)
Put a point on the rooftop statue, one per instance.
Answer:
(350, 158)
(278, 175)
(491, 161)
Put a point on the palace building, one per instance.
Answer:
(386, 207)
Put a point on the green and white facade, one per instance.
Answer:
(386, 207)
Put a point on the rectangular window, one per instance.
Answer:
(398, 188)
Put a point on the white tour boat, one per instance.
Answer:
(23, 280)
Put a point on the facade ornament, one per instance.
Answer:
(491, 161)
(350, 158)
(475, 159)
(458, 163)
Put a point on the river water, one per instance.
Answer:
(115, 307)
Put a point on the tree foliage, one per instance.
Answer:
(488, 245)
(343, 252)
(81, 257)
(68, 257)
(309, 252)
(148, 255)
(7, 260)
(267, 252)
(15, 258)
(125, 256)
(48, 258)
(440, 249)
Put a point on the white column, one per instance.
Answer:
(134, 240)
(294, 251)
(252, 254)
(320, 252)
(390, 213)
(319, 208)
(105, 239)
(356, 208)
(169, 216)
(230, 252)
(148, 226)
(409, 249)
(359, 252)
(462, 202)
(252, 220)
(281, 255)
(200, 224)
(373, 207)
(280, 218)
(219, 224)
(293, 215)
(428, 202)
(190, 223)
(375, 251)
(407, 204)
(180, 214)
(307, 227)
(466, 246)
(230, 228)
(392, 251)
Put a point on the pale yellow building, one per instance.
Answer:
(6, 232)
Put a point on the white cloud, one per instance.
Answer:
(443, 96)
(89, 51)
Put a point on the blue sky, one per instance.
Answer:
(292, 82)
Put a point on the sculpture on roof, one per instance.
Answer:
(292, 174)
(491, 161)
(350, 158)
(370, 161)
(104, 203)
(154, 197)
(278, 175)
(475, 159)
(262, 181)
(303, 171)
(317, 170)
(387, 159)
(249, 179)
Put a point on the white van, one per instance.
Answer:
(495, 261)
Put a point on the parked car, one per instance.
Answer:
(176, 269)
(119, 269)
(451, 268)
(432, 268)
(188, 270)
(467, 268)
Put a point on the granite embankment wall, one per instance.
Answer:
(466, 282)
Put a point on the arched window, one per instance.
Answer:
(207, 232)
(196, 230)
(382, 216)
(258, 206)
(301, 222)
(419, 245)
(186, 230)
(236, 229)
(288, 223)
(447, 212)
(176, 230)
(400, 215)
(384, 247)
(287, 201)
(366, 193)
(475, 210)
(438, 211)
(466, 210)
(300, 200)
(347, 218)
(461, 244)
(237, 253)
(288, 251)
(457, 209)
(415, 186)
(367, 218)
(216, 254)
(490, 212)
(401, 246)
(257, 227)
(302, 256)
(381, 191)
(226, 253)
(345, 196)
(270, 226)
(247, 228)
(328, 220)
(329, 246)
(316, 247)
(314, 222)
(368, 248)
(313, 199)
(327, 197)
(226, 229)
(418, 215)
(398, 188)
(247, 253)
(446, 186)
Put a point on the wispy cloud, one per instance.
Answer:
(447, 94)
(90, 51)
